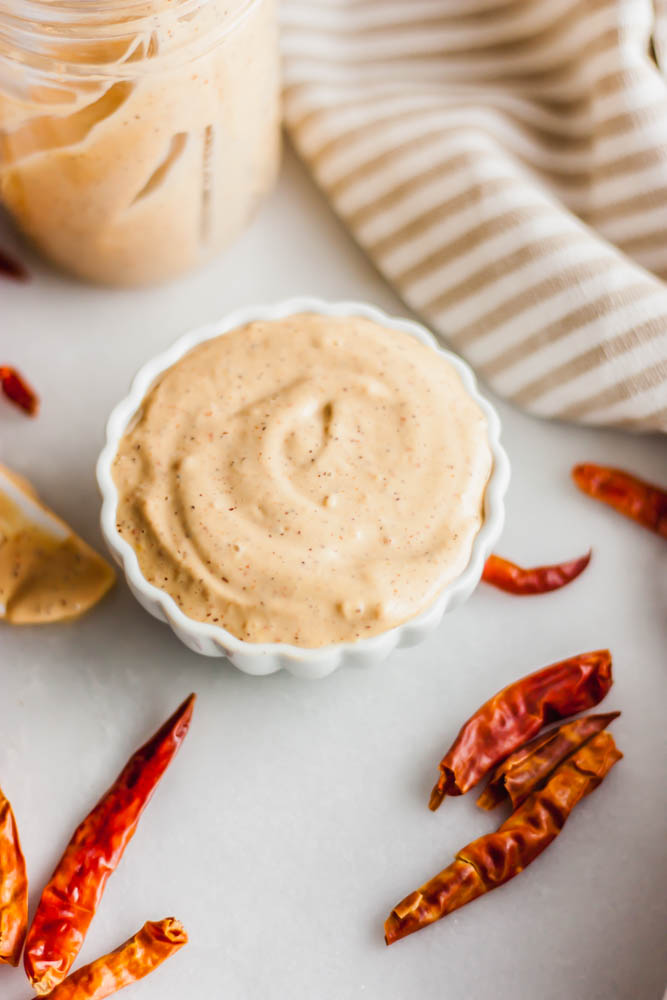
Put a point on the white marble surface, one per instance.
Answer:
(296, 814)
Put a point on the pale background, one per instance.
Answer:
(296, 814)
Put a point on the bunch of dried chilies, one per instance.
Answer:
(544, 777)
(73, 893)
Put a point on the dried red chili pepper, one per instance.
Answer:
(491, 860)
(12, 268)
(15, 388)
(516, 714)
(637, 499)
(539, 580)
(13, 888)
(142, 954)
(69, 901)
(524, 770)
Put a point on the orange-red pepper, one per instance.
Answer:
(491, 860)
(144, 952)
(525, 769)
(12, 268)
(539, 580)
(69, 901)
(13, 887)
(15, 388)
(516, 714)
(633, 497)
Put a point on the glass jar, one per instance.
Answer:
(136, 136)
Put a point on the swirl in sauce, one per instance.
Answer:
(307, 480)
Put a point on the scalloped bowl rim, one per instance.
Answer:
(265, 658)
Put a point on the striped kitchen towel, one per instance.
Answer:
(504, 164)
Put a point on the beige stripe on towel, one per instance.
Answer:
(504, 164)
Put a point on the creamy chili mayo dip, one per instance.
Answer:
(307, 480)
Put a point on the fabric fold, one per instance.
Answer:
(504, 164)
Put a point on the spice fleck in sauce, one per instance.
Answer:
(307, 480)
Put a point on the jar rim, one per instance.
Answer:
(69, 12)
(32, 30)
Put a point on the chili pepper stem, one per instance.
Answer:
(437, 795)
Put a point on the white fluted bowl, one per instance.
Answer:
(266, 658)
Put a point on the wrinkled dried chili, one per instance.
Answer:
(13, 887)
(12, 268)
(538, 580)
(491, 860)
(69, 901)
(142, 954)
(16, 389)
(524, 770)
(516, 714)
(633, 497)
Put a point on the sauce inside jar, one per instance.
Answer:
(308, 480)
(137, 137)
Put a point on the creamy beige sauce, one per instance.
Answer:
(44, 576)
(147, 167)
(309, 480)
